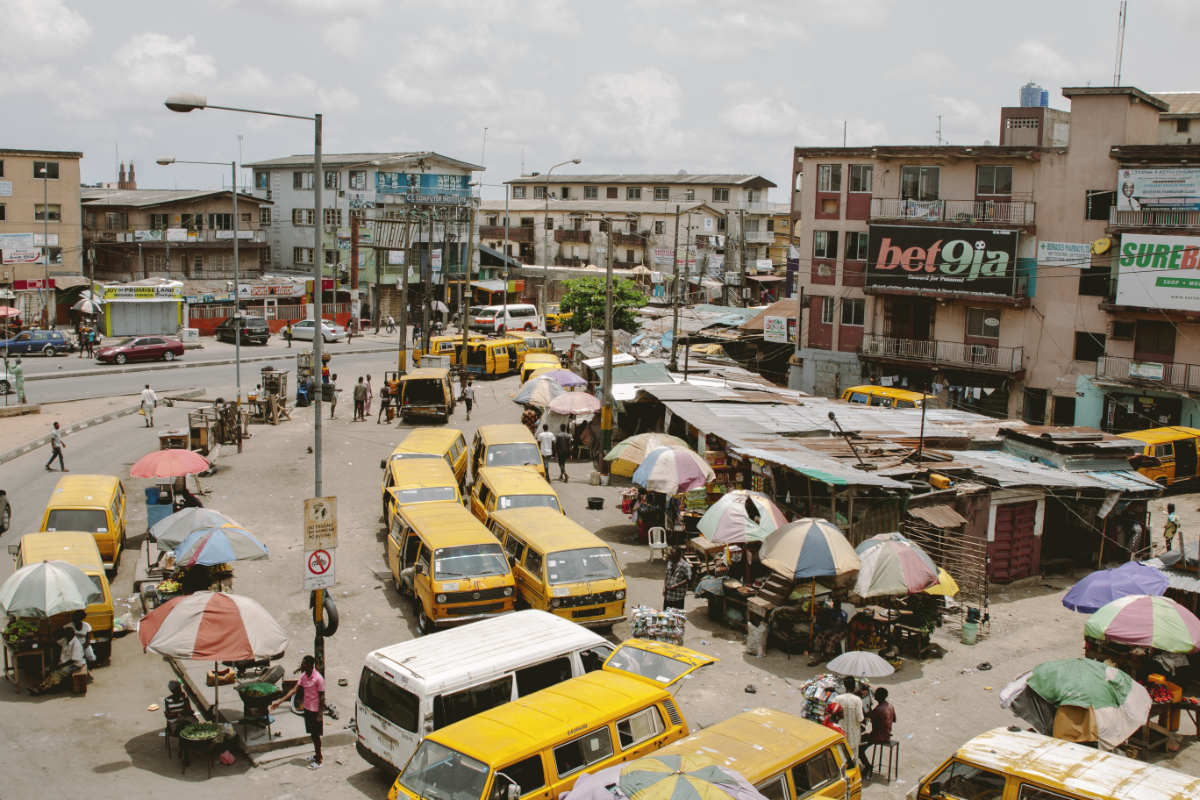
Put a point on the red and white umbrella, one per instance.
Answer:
(170, 463)
(212, 626)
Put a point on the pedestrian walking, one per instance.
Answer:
(81, 334)
(56, 447)
(852, 715)
(468, 396)
(18, 374)
(562, 450)
(360, 400)
(287, 334)
(391, 324)
(333, 393)
(350, 326)
(676, 580)
(1171, 528)
(148, 403)
(312, 683)
(545, 440)
(370, 397)
(92, 339)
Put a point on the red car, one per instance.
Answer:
(140, 348)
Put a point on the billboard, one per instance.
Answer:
(1159, 272)
(779, 329)
(935, 259)
(1171, 187)
(1065, 254)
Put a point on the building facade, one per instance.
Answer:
(978, 273)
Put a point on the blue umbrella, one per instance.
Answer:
(210, 546)
(1103, 586)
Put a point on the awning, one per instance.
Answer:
(69, 281)
(940, 516)
(766, 278)
(489, 285)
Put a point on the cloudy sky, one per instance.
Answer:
(625, 85)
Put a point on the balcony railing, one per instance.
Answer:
(760, 237)
(569, 235)
(627, 240)
(1154, 218)
(990, 212)
(159, 237)
(1149, 373)
(515, 233)
(570, 261)
(951, 354)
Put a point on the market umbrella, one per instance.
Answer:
(672, 470)
(810, 548)
(892, 565)
(538, 392)
(1091, 701)
(628, 453)
(440, 307)
(1146, 621)
(211, 546)
(169, 532)
(563, 377)
(860, 664)
(574, 404)
(9, 311)
(1103, 586)
(87, 306)
(741, 516)
(665, 777)
(47, 588)
(946, 586)
(170, 463)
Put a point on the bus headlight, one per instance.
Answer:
(555, 602)
(441, 598)
(620, 594)
(508, 591)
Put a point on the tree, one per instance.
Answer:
(585, 300)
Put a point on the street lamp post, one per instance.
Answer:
(47, 310)
(545, 235)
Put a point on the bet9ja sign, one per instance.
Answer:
(932, 259)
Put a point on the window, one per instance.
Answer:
(660, 227)
(264, 256)
(856, 245)
(1095, 281)
(1034, 412)
(590, 193)
(262, 179)
(993, 180)
(49, 167)
(959, 780)
(518, 193)
(689, 194)
(1064, 410)
(861, 176)
(450, 708)
(827, 304)
(825, 244)
(593, 658)
(816, 773)
(527, 774)
(332, 216)
(775, 789)
(662, 193)
(264, 215)
(983, 323)
(829, 177)
(302, 255)
(302, 180)
(633, 193)
(158, 222)
(610, 192)
(394, 703)
(548, 673)
(526, 222)
(565, 193)
(331, 258)
(303, 216)
(629, 256)
(1181, 126)
(52, 212)
(919, 183)
(333, 179)
(645, 724)
(539, 193)
(720, 195)
(3, 214)
(1, 168)
(549, 223)
(853, 310)
(721, 224)
(358, 179)
(1088, 346)
(220, 222)
(583, 752)
(1098, 202)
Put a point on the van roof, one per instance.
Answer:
(1161, 435)
(428, 440)
(542, 358)
(545, 718)
(450, 523)
(74, 547)
(511, 432)
(448, 658)
(83, 490)
(425, 372)
(547, 529)
(885, 391)
(515, 479)
(414, 473)
(738, 742)
(1090, 773)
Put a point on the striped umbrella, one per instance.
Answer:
(169, 463)
(574, 404)
(810, 548)
(728, 521)
(1146, 621)
(47, 588)
(212, 626)
(538, 392)
(892, 565)
(169, 532)
(563, 377)
(665, 777)
(671, 470)
(628, 453)
(211, 546)
(946, 586)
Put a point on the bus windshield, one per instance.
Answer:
(435, 772)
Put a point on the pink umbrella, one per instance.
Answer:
(671, 470)
(171, 463)
(572, 404)
(9, 311)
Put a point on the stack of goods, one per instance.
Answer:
(817, 693)
(662, 626)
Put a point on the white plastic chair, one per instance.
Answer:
(658, 542)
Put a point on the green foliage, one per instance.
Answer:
(585, 300)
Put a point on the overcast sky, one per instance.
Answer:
(624, 85)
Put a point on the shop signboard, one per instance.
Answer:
(174, 292)
(775, 329)
(935, 259)
(1169, 187)
(1065, 254)
(1159, 272)
(1146, 370)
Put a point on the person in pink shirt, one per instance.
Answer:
(313, 685)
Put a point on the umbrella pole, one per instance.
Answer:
(216, 690)
(812, 613)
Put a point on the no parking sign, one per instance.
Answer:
(318, 569)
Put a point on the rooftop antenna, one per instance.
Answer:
(1120, 44)
(483, 152)
(939, 130)
(863, 465)
(843, 133)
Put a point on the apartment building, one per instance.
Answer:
(985, 274)
(1180, 123)
(177, 234)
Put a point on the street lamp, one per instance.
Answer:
(545, 234)
(184, 103)
(237, 285)
(47, 311)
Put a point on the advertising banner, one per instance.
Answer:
(1065, 254)
(935, 259)
(775, 329)
(1159, 272)
(1172, 187)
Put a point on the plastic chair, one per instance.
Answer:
(876, 754)
(658, 542)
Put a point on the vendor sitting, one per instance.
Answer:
(183, 497)
(177, 709)
(752, 566)
(70, 661)
(828, 630)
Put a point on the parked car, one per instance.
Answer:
(140, 348)
(46, 342)
(255, 330)
(5, 511)
(521, 316)
(329, 331)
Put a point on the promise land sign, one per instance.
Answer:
(1159, 272)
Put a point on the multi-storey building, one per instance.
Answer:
(986, 274)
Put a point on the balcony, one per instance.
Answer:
(959, 212)
(760, 237)
(152, 238)
(1154, 218)
(515, 234)
(627, 240)
(569, 235)
(1168, 375)
(986, 358)
(570, 261)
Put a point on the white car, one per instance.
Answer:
(7, 382)
(329, 331)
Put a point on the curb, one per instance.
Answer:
(42, 441)
(177, 364)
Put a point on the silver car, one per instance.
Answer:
(330, 332)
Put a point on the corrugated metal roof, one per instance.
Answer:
(349, 159)
(1183, 581)
(528, 205)
(641, 373)
(939, 516)
(1180, 102)
(780, 308)
(141, 198)
(794, 456)
(1008, 470)
(646, 178)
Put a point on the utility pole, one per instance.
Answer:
(674, 365)
(467, 279)
(427, 289)
(402, 361)
(606, 408)
(742, 257)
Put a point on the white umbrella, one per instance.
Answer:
(87, 306)
(438, 305)
(47, 588)
(860, 664)
(170, 532)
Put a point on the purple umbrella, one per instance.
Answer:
(1102, 587)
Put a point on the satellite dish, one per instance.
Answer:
(1101, 245)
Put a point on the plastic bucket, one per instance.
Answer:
(969, 631)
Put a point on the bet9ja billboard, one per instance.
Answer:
(932, 259)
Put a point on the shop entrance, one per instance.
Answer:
(1129, 412)
(1014, 550)
(909, 318)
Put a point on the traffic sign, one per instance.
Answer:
(319, 570)
(320, 523)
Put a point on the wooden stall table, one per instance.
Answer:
(25, 668)
(703, 555)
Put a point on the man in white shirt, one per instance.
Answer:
(148, 403)
(545, 441)
(70, 661)
(852, 707)
(83, 632)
